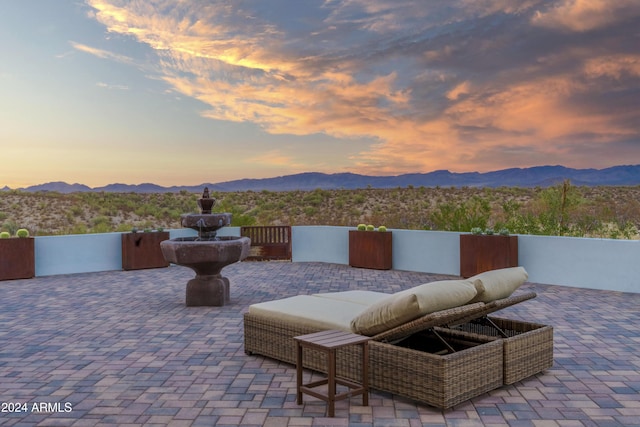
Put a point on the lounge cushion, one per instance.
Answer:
(499, 283)
(310, 311)
(386, 314)
(357, 296)
(441, 295)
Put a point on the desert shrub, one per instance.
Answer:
(359, 199)
(78, 228)
(76, 210)
(474, 212)
(172, 214)
(556, 205)
(10, 226)
(101, 224)
(315, 198)
(124, 227)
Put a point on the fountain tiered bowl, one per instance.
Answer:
(206, 254)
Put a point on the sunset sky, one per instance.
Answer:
(192, 91)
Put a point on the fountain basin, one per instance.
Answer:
(207, 257)
(206, 224)
(212, 221)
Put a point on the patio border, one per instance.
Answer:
(605, 264)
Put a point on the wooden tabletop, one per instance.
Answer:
(332, 339)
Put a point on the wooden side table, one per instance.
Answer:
(328, 342)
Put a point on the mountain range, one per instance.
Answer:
(538, 176)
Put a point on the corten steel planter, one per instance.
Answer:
(17, 259)
(480, 253)
(142, 250)
(370, 249)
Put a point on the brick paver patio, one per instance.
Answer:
(120, 348)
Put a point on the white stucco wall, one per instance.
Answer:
(578, 262)
(581, 262)
(320, 244)
(426, 251)
(77, 253)
(413, 250)
(83, 253)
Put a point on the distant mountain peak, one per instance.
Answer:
(60, 187)
(537, 176)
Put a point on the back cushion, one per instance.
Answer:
(436, 296)
(386, 314)
(499, 283)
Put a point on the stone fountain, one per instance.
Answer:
(206, 254)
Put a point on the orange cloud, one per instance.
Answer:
(585, 15)
(424, 103)
(616, 66)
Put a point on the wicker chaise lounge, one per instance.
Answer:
(441, 358)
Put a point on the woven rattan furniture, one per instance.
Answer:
(528, 347)
(440, 380)
(328, 342)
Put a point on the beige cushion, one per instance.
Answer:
(357, 296)
(310, 311)
(477, 283)
(500, 283)
(436, 296)
(386, 314)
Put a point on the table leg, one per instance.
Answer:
(331, 355)
(365, 373)
(298, 373)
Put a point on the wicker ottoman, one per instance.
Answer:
(424, 369)
(528, 347)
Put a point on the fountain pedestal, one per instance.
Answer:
(209, 291)
(207, 255)
(207, 258)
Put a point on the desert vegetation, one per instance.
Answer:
(611, 212)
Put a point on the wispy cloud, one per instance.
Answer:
(467, 83)
(586, 15)
(112, 86)
(101, 53)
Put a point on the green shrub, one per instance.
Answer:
(5, 235)
(370, 227)
(362, 227)
(382, 228)
(22, 232)
(451, 216)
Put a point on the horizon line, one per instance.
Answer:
(6, 187)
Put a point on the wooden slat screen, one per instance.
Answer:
(270, 242)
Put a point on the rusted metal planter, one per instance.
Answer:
(17, 260)
(142, 250)
(371, 249)
(480, 253)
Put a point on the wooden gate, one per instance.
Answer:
(270, 242)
